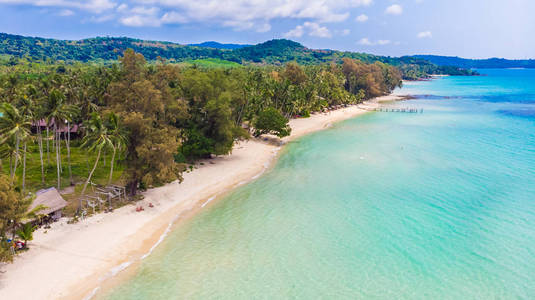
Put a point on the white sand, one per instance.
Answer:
(71, 260)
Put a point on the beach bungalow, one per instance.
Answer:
(52, 201)
(41, 125)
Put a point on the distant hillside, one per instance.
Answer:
(478, 63)
(216, 45)
(274, 52)
(99, 48)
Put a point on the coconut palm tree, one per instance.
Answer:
(14, 125)
(7, 151)
(25, 233)
(28, 109)
(37, 114)
(97, 138)
(58, 111)
(118, 138)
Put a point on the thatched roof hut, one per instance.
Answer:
(51, 200)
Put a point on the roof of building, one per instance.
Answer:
(50, 198)
(62, 128)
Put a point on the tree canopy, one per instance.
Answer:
(173, 114)
(271, 121)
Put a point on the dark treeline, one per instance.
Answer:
(489, 63)
(171, 114)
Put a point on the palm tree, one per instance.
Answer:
(37, 114)
(28, 110)
(97, 138)
(118, 138)
(14, 125)
(58, 111)
(26, 233)
(7, 151)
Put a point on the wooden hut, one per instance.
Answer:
(41, 125)
(51, 200)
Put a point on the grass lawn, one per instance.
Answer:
(213, 63)
(81, 164)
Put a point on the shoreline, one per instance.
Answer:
(72, 261)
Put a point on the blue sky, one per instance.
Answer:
(467, 28)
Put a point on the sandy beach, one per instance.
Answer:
(69, 261)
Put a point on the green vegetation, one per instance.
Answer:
(106, 50)
(13, 209)
(72, 116)
(81, 163)
(25, 232)
(271, 121)
(138, 124)
(212, 63)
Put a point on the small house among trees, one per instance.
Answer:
(51, 200)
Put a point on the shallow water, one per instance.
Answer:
(387, 205)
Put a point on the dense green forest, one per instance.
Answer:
(274, 52)
(191, 111)
(489, 63)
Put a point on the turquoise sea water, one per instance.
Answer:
(439, 205)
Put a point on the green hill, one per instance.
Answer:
(274, 52)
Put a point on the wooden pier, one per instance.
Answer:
(412, 110)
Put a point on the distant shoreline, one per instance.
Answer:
(73, 261)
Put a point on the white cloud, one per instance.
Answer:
(96, 6)
(142, 10)
(140, 21)
(140, 16)
(240, 14)
(173, 17)
(66, 13)
(122, 8)
(362, 18)
(264, 28)
(394, 9)
(297, 32)
(313, 29)
(237, 14)
(100, 18)
(316, 30)
(367, 42)
(424, 34)
(345, 32)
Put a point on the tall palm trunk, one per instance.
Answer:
(68, 141)
(47, 144)
(57, 156)
(111, 164)
(11, 165)
(40, 141)
(58, 146)
(24, 169)
(17, 154)
(87, 162)
(90, 175)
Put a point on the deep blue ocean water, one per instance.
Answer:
(435, 205)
